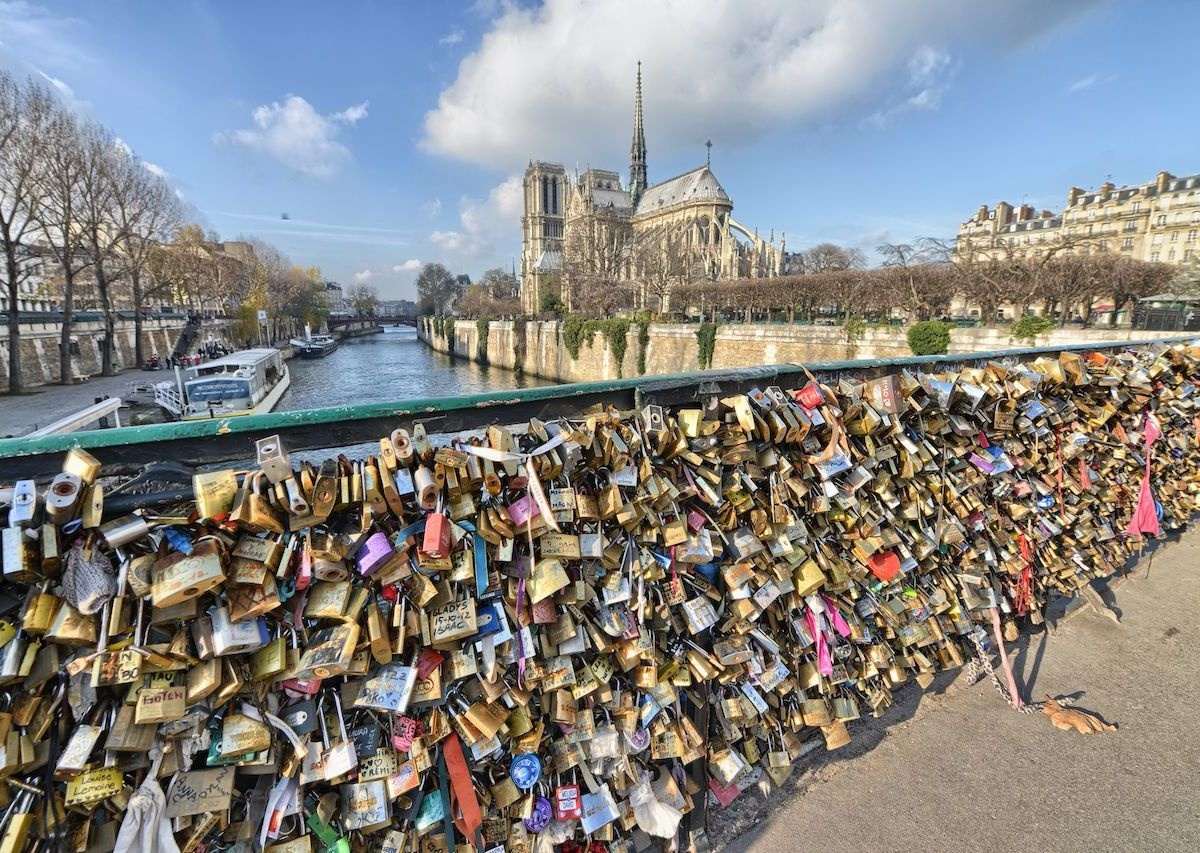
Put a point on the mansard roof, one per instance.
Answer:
(698, 185)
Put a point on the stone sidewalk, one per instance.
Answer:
(958, 770)
(47, 403)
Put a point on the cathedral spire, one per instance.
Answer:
(637, 151)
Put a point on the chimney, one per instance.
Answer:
(981, 214)
(1160, 181)
(1047, 214)
(1106, 189)
(1025, 213)
(1003, 214)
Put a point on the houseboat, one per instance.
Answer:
(247, 382)
(316, 346)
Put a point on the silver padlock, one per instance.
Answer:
(235, 638)
(24, 504)
(122, 531)
(62, 497)
(273, 459)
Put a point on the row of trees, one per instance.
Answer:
(73, 194)
(78, 207)
(439, 291)
(923, 289)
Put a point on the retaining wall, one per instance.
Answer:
(673, 348)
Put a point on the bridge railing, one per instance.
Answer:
(225, 439)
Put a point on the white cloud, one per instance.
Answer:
(930, 71)
(737, 70)
(295, 134)
(455, 36)
(483, 222)
(156, 170)
(411, 265)
(363, 276)
(432, 209)
(43, 37)
(1089, 81)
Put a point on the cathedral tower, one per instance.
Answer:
(637, 151)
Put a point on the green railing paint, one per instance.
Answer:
(220, 439)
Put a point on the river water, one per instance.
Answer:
(390, 366)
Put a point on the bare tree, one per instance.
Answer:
(596, 253)
(146, 214)
(25, 111)
(59, 217)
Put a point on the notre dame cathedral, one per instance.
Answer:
(581, 231)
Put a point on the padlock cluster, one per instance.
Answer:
(571, 635)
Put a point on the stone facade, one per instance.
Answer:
(586, 230)
(1157, 221)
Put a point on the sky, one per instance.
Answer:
(392, 134)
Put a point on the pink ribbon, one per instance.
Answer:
(1145, 514)
(824, 662)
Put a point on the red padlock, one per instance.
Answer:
(566, 802)
(436, 542)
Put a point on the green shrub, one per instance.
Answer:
(482, 326)
(448, 323)
(519, 345)
(642, 319)
(617, 334)
(1029, 327)
(573, 333)
(931, 337)
(706, 337)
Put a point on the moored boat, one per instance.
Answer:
(248, 382)
(317, 346)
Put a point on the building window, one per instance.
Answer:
(1127, 243)
(1137, 207)
(1191, 236)
(1171, 255)
(1188, 254)
(1154, 257)
(1103, 246)
(1174, 236)
(1158, 238)
(1131, 225)
(1161, 219)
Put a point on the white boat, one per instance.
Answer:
(248, 382)
(316, 346)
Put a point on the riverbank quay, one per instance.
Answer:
(41, 338)
(548, 349)
(843, 532)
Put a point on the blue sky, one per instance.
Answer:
(394, 134)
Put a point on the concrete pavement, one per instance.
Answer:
(960, 771)
(47, 403)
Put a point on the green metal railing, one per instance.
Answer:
(222, 439)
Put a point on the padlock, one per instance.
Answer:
(62, 498)
(235, 638)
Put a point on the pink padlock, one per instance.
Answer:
(374, 553)
(523, 509)
(437, 536)
(695, 521)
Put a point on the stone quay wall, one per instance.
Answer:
(537, 347)
(40, 343)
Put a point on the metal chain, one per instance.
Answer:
(981, 665)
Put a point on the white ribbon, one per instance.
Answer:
(534, 484)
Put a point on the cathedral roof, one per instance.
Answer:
(698, 185)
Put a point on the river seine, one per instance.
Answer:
(390, 366)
